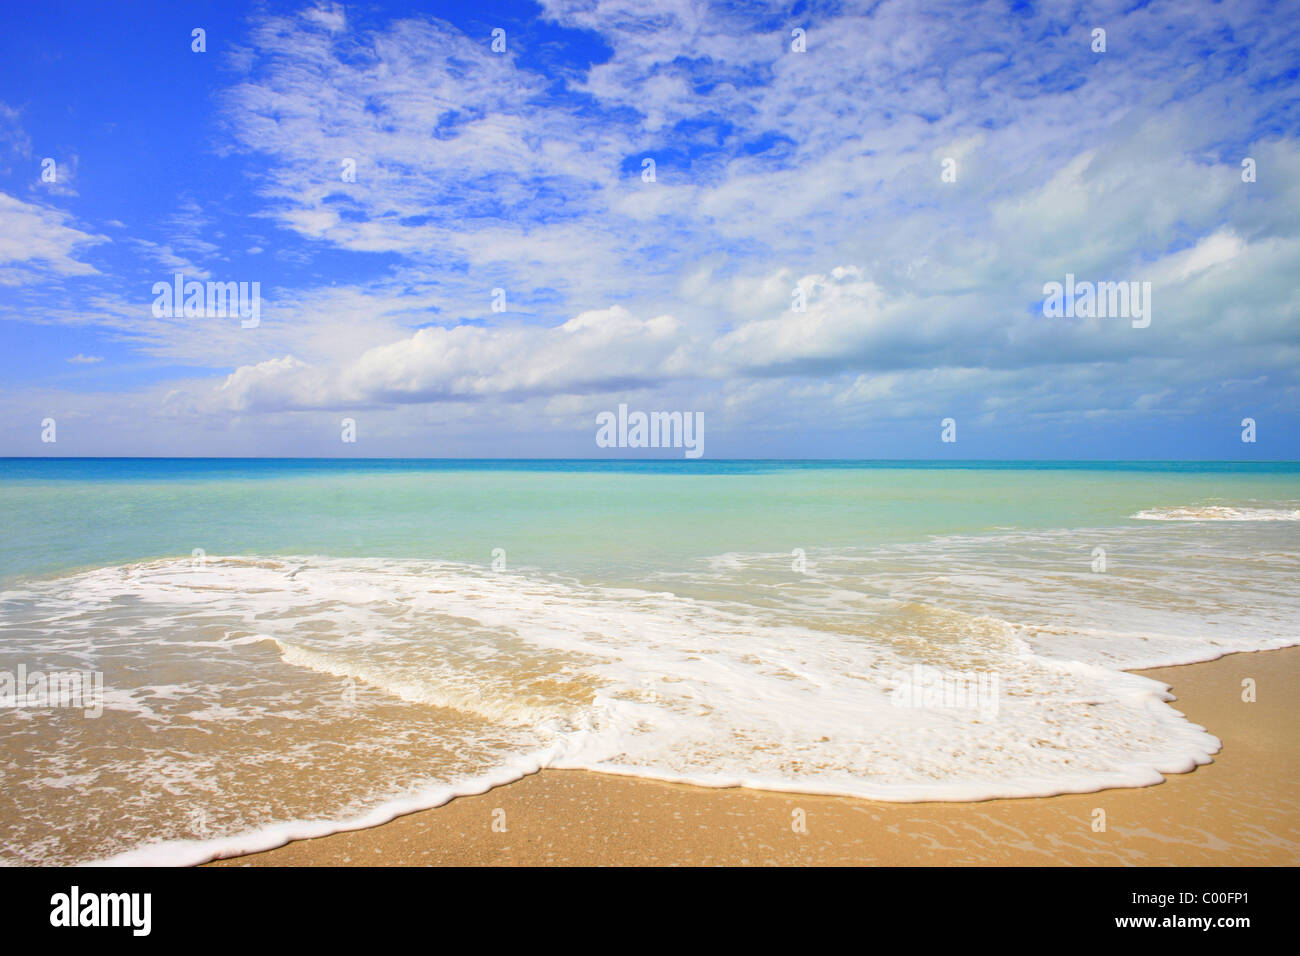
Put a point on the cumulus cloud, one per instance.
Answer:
(594, 351)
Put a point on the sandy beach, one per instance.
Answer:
(1242, 809)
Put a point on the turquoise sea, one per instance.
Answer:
(290, 646)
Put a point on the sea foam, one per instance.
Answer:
(734, 672)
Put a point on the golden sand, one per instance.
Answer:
(1243, 809)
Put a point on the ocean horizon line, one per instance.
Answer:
(667, 460)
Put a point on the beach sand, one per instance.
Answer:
(1243, 809)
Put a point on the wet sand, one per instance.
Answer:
(1242, 809)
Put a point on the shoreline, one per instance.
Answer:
(1242, 809)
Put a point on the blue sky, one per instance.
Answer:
(774, 170)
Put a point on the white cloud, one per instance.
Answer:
(774, 170)
(36, 240)
(594, 351)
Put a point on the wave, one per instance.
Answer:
(197, 852)
(1217, 513)
(742, 672)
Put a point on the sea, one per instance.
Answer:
(275, 649)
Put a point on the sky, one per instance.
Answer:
(845, 241)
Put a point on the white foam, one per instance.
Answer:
(195, 852)
(793, 690)
(1217, 513)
